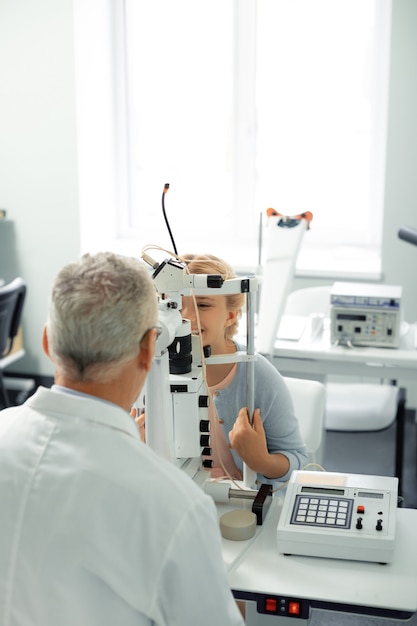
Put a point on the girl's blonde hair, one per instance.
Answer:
(210, 264)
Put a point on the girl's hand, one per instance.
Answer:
(249, 441)
(140, 421)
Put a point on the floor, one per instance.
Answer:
(373, 453)
(370, 453)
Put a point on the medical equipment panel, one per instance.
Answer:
(342, 516)
(365, 314)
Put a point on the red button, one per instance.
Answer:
(361, 509)
(271, 605)
(294, 608)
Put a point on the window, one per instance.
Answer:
(180, 82)
(245, 105)
(319, 95)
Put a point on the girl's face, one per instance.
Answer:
(214, 319)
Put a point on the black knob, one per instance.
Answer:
(204, 440)
(359, 525)
(204, 426)
(203, 402)
(379, 525)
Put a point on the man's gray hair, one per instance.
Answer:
(100, 308)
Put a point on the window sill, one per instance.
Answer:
(342, 262)
(338, 262)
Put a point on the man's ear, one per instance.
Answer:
(147, 350)
(45, 342)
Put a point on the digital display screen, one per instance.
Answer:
(324, 490)
(370, 494)
(351, 316)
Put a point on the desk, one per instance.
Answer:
(256, 571)
(317, 357)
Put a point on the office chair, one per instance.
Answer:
(354, 407)
(12, 297)
(309, 399)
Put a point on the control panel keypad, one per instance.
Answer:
(324, 511)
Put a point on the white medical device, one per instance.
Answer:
(284, 235)
(176, 397)
(341, 516)
(365, 314)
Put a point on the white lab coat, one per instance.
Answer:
(98, 530)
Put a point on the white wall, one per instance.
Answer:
(38, 158)
(38, 163)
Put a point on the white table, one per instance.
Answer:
(258, 573)
(317, 358)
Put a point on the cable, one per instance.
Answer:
(166, 187)
(316, 465)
